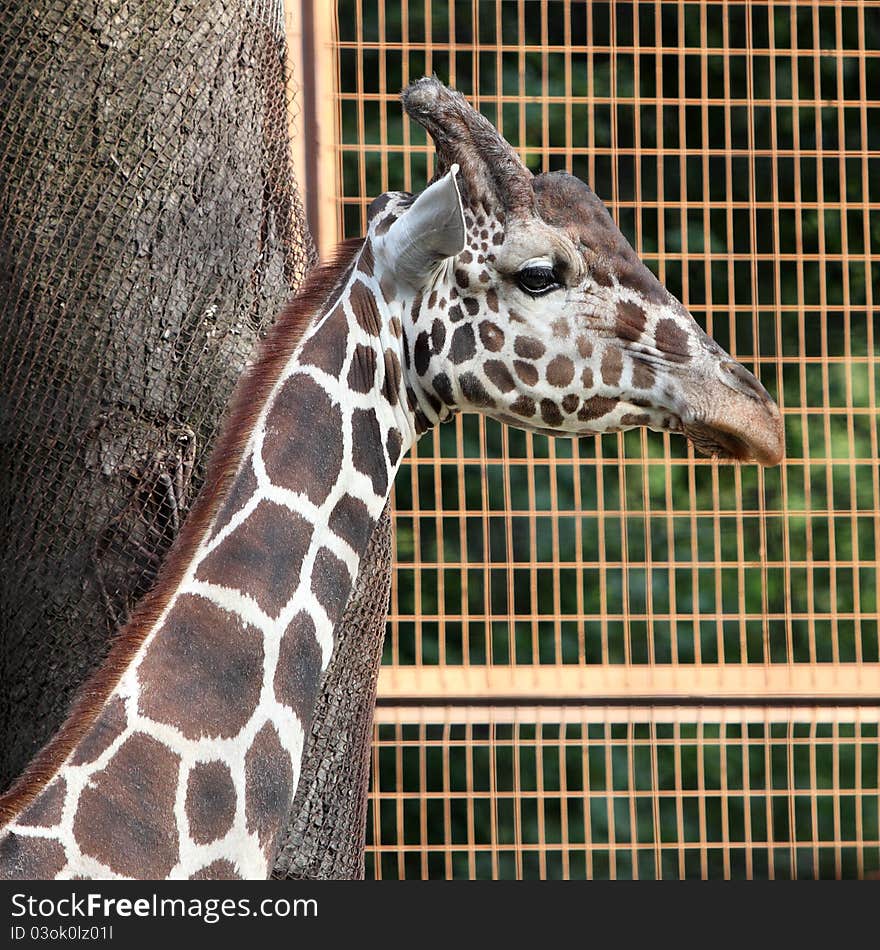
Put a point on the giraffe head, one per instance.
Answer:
(520, 298)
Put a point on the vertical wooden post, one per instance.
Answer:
(311, 33)
(293, 29)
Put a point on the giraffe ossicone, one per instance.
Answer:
(493, 290)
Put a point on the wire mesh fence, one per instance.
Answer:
(530, 796)
(738, 147)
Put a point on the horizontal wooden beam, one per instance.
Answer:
(590, 715)
(812, 692)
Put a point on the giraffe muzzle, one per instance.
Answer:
(737, 419)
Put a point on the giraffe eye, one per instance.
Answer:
(537, 279)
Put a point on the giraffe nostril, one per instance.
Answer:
(739, 378)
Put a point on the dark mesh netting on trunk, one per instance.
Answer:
(149, 231)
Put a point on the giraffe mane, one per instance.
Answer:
(251, 393)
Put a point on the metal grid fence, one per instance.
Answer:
(538, 796)
(609, 657)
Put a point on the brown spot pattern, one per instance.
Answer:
(362, 371)
(523, 406)
(393, 445)
(416, 307)
(210, 801)
(302, 449)
(366, 261)
(570, 403)
(326, 348)
(526, 372)
(631, 320)
(474, 391)
(560, 371)
(585, 347)
(46, 809)
(384, 226)
(331, 583)
(612, 365)
(262, 557)
(643, 375)
(443, 387)
(125, 817)
(366, 447)
(492, 336)
(463, 346)
(242, 488)
(550, 412)
(561, 328)
(528, 348)
(202, 656)
(601, 275)
(635, 419)
(298, 674)
(595, 408)
(351, 521)
(422, 353)
(110, 723)
(421, 420)
(24, 858)
(269, 786)
(378, 205)
(438, 335)
(672, 340)
(499, 375)
(365, 309)
(220, 870)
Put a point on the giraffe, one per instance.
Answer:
(493, 290)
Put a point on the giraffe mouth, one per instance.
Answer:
(718, 443)
(753, 439)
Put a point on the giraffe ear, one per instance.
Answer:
(430, 232)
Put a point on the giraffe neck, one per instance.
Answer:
(191, 763)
